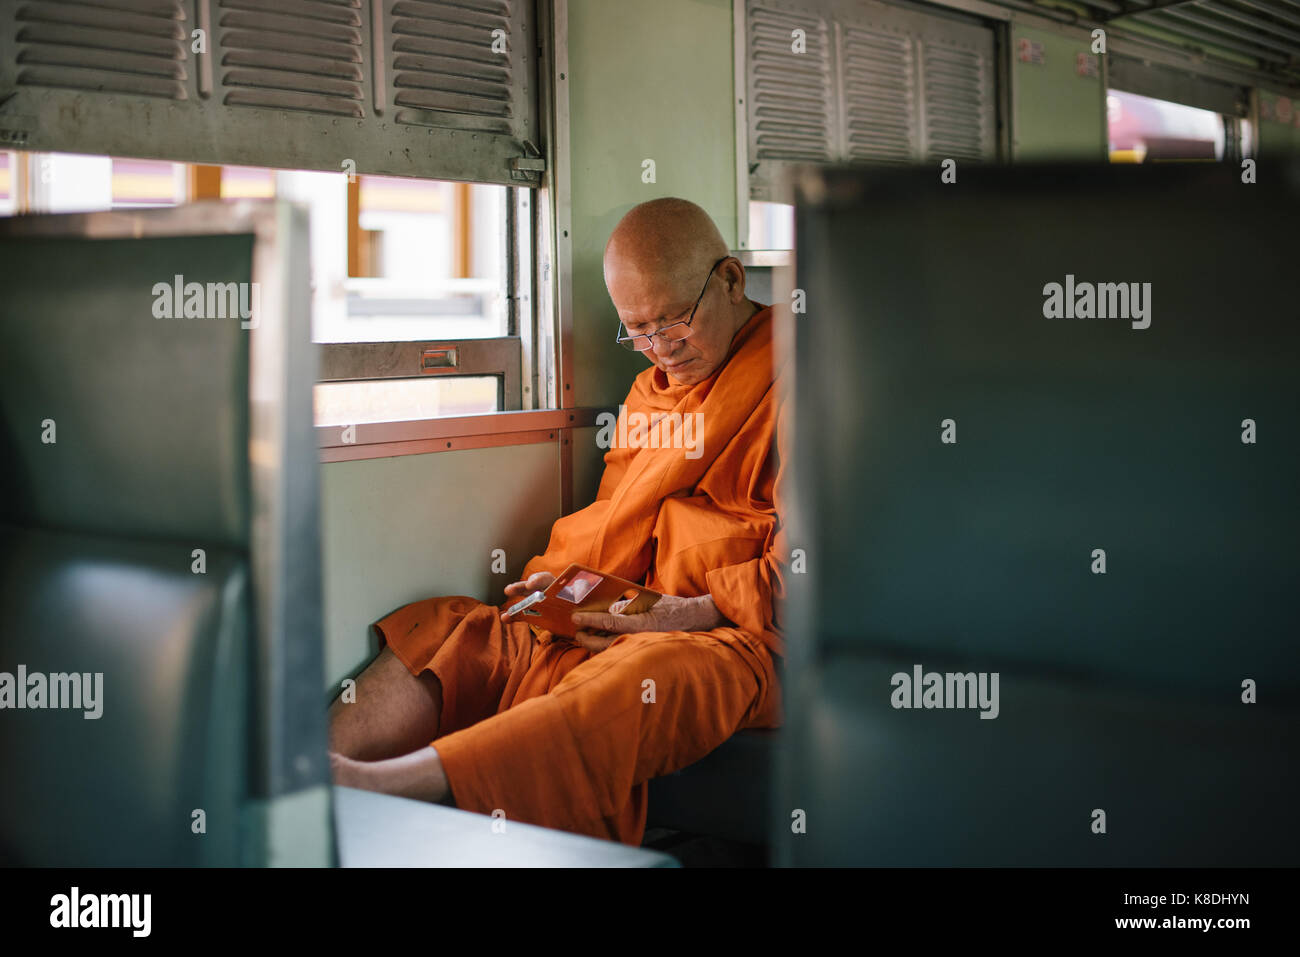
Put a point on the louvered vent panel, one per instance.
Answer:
(879, 95)
(304, 56)
(445, 68)
(109, 46)
(957, 90)
(789, 93)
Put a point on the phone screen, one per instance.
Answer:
(521, 607)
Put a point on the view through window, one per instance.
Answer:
(1146, 130)
(392, 260)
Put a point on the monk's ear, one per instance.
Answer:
(734, 273)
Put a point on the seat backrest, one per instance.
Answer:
(1100, 511)
(158, 544)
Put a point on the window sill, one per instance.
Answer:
(371, 440)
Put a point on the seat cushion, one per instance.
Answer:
(120, 789)
(1183, 780)
(725, 794)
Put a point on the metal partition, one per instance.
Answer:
(398, 87)
(834, 81)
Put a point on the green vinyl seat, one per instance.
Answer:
(144, 541)
(1099, 510)
(123, 788)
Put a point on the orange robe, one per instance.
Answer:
(537, 727)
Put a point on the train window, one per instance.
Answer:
(246, 182)
(73, 183)
(427, 263)
(437, 250)
(424, 263)
(395, 400)
(8, 198)
(1143, 129)
(141, 184)
(771, 225)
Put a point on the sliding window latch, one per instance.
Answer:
(433, 361)
(527, 167)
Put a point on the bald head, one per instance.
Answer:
(657, 265)
(672, 239)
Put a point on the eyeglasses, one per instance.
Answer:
(669, 333)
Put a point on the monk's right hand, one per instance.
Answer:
(537, 581)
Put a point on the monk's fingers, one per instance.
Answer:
(593, 641)
(538, 581)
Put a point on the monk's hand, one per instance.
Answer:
(593, 640)
(537, 581)
(670, 613)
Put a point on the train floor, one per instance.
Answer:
(696, 850)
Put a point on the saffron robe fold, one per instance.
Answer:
(534, 725)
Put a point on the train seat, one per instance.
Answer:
(124, 562)
(157, 651)
(726, 794)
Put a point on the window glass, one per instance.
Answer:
(71, 183)
(425, 260)
(145, 183)
(392, 259)
(1145, 130)
(68, 183)
(8, 183)
(771, 225)
(247, 182)
(392, 400)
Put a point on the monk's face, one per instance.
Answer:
(647, 301)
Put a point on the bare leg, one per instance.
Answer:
(394, 713)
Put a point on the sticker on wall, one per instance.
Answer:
(1283, 110)
(1029, 51)
(1265, 109)
(1085, 64)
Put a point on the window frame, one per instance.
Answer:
(498, 356)
(509, 358)
(540, 314)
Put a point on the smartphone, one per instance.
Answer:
(579, 588)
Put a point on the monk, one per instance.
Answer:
(464, 708)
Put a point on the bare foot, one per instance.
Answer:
(348, 772)
(417, 775)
